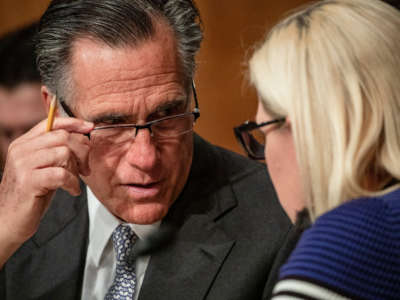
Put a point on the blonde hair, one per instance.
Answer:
(334, 69)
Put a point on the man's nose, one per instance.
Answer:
(142, 152)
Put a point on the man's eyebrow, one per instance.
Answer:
(110, 117)
(122, 118)
(171, 104)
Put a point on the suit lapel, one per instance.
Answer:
(51, 264)
(188, 265)
(186, 269)
(63, 211)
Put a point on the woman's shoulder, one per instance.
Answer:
(359, 215)
(369, 218)
(352, 249)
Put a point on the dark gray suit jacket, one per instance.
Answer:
(229, 229)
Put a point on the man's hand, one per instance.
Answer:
(39, 163)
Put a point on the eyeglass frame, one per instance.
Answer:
(195, 112)
(246, 127)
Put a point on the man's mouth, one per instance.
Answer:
(143, 190)
(146, 185)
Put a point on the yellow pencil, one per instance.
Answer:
(52, 113)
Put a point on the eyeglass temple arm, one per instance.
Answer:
(196, 102)
(68, 111)
(65, 107)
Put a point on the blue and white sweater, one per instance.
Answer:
(351, 252)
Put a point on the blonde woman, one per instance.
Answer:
(328, 77)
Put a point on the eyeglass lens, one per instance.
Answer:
(254, 141)
(167, 128)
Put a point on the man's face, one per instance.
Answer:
(20, 109)
(138, 180)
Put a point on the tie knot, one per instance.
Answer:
(123, 239)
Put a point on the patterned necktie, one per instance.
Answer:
(124, 284)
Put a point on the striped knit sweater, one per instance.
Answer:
(351, 252)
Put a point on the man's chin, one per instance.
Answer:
(143, 213)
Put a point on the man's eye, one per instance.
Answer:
(158, 115)
(164, 113)
(115, 122)
(170, 111)
(111, 122)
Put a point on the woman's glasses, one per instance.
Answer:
(252, 139)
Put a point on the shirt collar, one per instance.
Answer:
(102, 224)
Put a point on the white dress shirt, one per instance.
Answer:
(100, 258)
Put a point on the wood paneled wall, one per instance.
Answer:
(231, 27)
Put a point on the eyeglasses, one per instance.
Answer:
(167, 127)
(252, 139)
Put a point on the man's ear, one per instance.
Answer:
(46, 97)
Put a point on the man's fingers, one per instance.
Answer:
(80, 147)
(54, 138)
(50, 179)
(73, 125)
(56, 148)
(60, 156)
(67, 124)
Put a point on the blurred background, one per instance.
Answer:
(231, 27)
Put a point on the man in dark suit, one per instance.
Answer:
(126, 68)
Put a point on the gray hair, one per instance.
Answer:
(115, 23)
